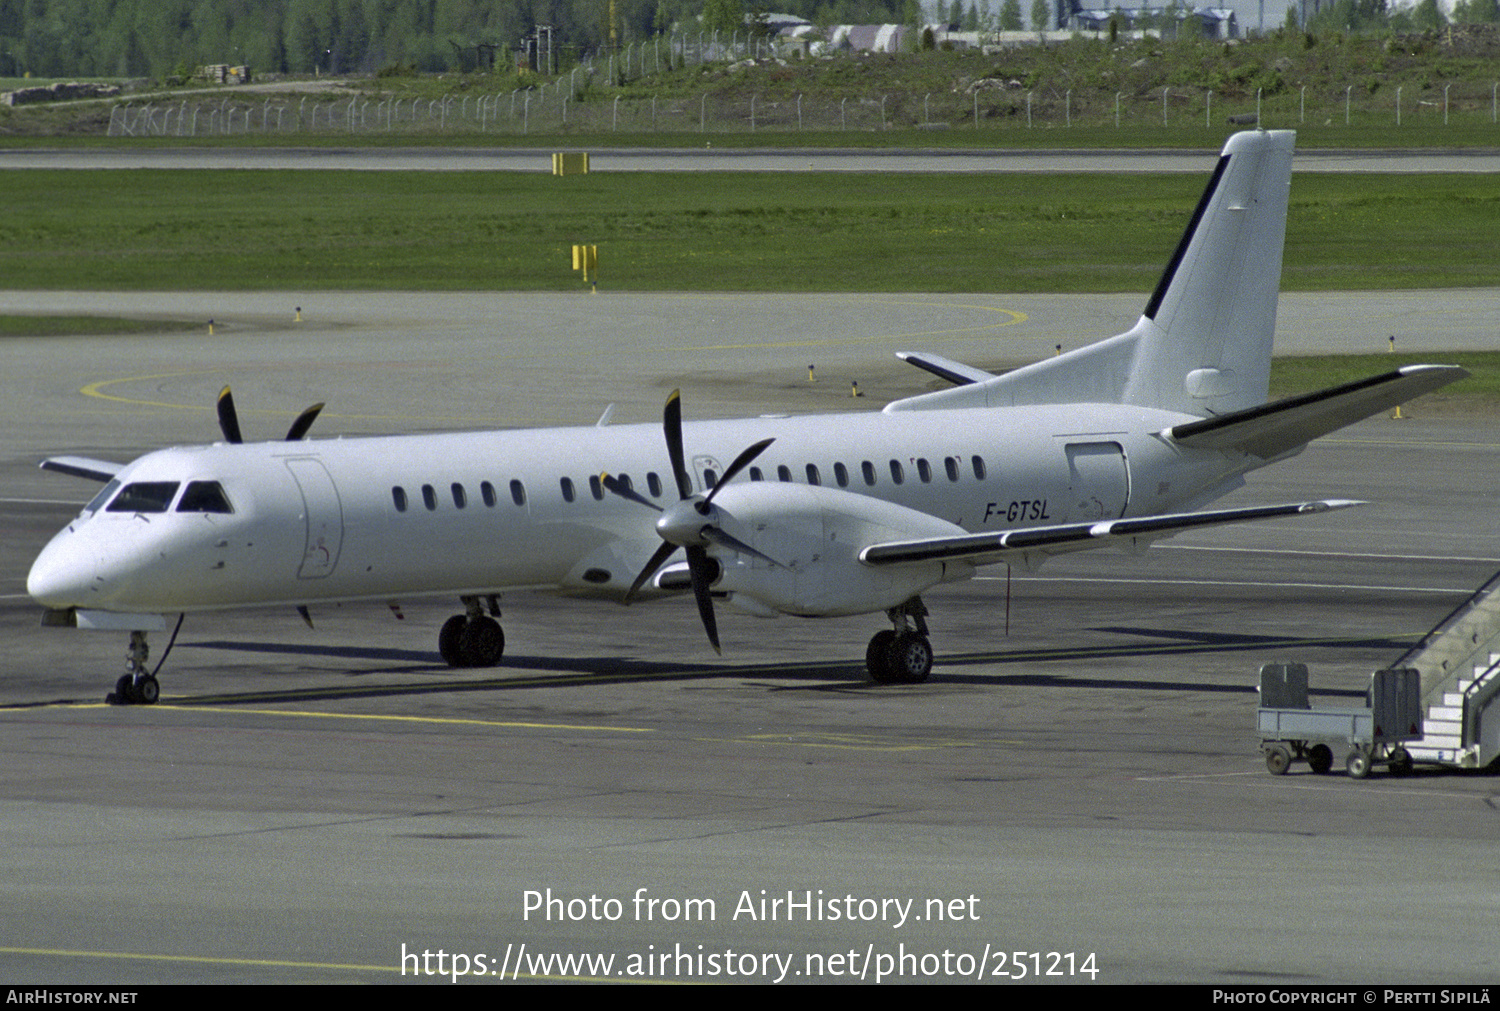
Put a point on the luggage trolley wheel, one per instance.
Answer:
(1320, 757)
(1401, 763)
(1277, 759)
(1358, 763)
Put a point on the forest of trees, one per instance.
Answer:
(160, 38)
(155, 38)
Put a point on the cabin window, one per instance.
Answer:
(868, 470)
(653, 483)
(978, 462)
(204, 497)
(950, 463)
(568, 493)
(783, 473)
(487, 492)
(596, 488)
(841, 475)
(813, 477)
(459, 498)
(398, 496)
(756, 474)
(518, 493)
(429, 497)
(145, 497)
(924, 470)
(897, 473)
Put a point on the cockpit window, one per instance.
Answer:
(105, 494)
(204, 497)
(144, 497)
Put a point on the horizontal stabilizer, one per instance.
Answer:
(82, 466)
(956, 373)
(997, 546)
(1273, 429)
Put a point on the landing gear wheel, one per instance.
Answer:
(121, 695)
(1277, 760)
(147, 691)
(878, 657)
(448, 639)
(1358, 764)
(910, 657)
(1320, 757)
(482, 643)
(1401, 763)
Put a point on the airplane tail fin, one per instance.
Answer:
(1203, 344)
(1205, 337)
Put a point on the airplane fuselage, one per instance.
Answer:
(468, 513)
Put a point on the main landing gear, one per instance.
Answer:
(474, 638)
(902, 655)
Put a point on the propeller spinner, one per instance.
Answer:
(690, 523)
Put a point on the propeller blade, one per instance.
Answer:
(623, 490)
(739, 464)
(656, 562)
(672, 425)
(733, 543)
(229, 421)
(703, 570)
(304, 421)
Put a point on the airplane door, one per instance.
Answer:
(708, 472)
(1098, 481)
(324, 517)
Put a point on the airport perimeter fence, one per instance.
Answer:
(556, 110)
(611, 93)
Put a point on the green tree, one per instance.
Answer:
(1010, 16)
(1428, 16)
(1476, 12)
(1040, 18)
(723, 16)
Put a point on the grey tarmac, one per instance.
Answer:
(1079, 776)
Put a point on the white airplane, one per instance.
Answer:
(1112, 444)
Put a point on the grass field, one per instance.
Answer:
(304, 230)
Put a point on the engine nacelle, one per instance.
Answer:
(815, 535)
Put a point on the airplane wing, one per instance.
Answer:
(998, 546)
(1272, 429)
(82, 466)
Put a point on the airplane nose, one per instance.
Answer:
(66, 573)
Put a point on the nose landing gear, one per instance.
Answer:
(138, 686)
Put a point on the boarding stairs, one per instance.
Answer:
(1459, 663)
